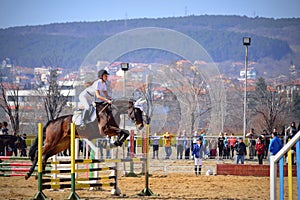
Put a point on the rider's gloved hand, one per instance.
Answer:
(108, 101)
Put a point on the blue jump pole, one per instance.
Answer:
(281, 178)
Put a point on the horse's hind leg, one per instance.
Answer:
(27, 176)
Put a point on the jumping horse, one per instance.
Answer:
(57, 133)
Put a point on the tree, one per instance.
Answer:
(267, 105)
(53, 99)
(13, 109)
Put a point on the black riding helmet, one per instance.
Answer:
(102, 72)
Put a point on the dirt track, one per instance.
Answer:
(176, 185)
(173, 186)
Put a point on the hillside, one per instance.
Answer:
(275, 42)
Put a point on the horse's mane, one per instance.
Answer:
(123, 99)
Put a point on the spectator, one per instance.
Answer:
(226, 151)
(197, 154)
(194, 139)
(232, 143)
(275, 143)
(259, 147)
(221, 139)
(252, 136)
(292, 131)
(213, 150)
(266, 142)
(204, 144)
(4, 128)
(187, 148)
(23, 146)
(241, 151)
(107, 147)
(100, 145)
(168, 144)
(155, 145)
(184, 142)
(179, 146)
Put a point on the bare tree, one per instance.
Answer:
(53, 99)
(268, 104)
(10, 94)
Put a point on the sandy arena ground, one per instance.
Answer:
(175, 185)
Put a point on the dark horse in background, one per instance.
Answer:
(57, 133)
(10, 141)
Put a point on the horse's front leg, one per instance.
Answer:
(15, 150)
(122, 136)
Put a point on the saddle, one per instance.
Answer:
(89, 117)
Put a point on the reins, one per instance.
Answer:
(103, 108)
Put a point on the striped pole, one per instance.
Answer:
(13, 158)
(131, 173)
(73, 194)
(15, 164)
(40, 195)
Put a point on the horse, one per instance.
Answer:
(11, 141)
(56, 133)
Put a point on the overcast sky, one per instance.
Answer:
(38, 12)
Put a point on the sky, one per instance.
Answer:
(39, 12)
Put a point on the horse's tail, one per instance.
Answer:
(34, 146)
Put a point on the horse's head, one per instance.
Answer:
(135, 112)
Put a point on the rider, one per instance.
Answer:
(97, 91)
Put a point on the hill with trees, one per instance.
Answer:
(275, 42)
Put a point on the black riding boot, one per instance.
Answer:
(196, 170)
(199, 170)
(85, 117)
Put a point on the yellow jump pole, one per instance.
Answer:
(290, 175)
(73, 194)
(40, 195)
(147, 191)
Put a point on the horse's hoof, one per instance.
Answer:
(118, 143)
(26, 176)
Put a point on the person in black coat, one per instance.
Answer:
(240, 151)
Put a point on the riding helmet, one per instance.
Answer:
(102, 72)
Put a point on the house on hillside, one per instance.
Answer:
(251, 74)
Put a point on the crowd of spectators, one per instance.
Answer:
(258, 146)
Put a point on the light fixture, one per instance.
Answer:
(246, 41)
(125, 66)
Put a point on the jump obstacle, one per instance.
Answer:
(75, 183)
(14, 166)
(279, 158)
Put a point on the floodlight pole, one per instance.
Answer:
(246, 43)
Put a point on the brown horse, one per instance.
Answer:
(57, 132)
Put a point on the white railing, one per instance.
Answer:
(273, 164)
